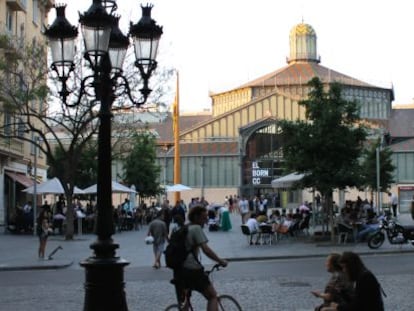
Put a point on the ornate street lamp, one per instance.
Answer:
(105, 50)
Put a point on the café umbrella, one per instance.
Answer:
(52, 186)
(287, 181)
(177, 188)
(116, 188)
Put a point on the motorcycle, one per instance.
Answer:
(396, 234)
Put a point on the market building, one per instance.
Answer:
(237, 150)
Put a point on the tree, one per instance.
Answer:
(327, 146)
(140, 168)
(369, 168)
(33, 111)
(25, 109)
(86, 171)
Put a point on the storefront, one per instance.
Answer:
(405, 197)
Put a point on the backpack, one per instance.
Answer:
(176, 251)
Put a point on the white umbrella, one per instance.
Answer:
(116, 187)
(77, 190)
(177, 188)
(52, 186)
(287, 181)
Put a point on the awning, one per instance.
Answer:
(20, 178)
(286, 181)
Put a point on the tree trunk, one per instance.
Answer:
(70, 217)
(329, 209)
(372, 198)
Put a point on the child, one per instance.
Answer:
(43, 233)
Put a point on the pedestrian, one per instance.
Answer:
(166, 210)
(225, 222)
(412, 208)
(338, 289)
(230, 202)
(244, 209)
(253, 227)
(158, 230)
(192, 275)
(28, 216)
(367, 290)
(393, 203)
(43, 231)
(127, 207)
(177, 223)
(177, 210)
(46, 207)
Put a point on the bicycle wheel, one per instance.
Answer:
(173, 307)
(228, 303)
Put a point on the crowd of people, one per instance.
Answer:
(358, 219)
(351, 285)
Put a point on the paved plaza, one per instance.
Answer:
(19, 252)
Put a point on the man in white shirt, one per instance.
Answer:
(244, 209)
(393, 203)
(253, 227)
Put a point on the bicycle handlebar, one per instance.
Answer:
(216, 267)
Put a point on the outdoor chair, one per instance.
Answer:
(344, 232)
(266, 234)
(304, 226)
(246, 231)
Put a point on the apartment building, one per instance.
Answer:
(21, 22)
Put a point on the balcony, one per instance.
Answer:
(48, 4)
(11, 147)
(16, 5)
(10, 43)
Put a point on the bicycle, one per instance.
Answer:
(225, 302)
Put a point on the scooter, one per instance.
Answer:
(396, 234)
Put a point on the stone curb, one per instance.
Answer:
(61, 264)
(44, 265)
(282, 257)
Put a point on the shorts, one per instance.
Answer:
(42, 237)
(158, 248)
(193, 279)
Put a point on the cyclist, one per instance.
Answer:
(191, 275)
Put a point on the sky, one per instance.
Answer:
(218, 45)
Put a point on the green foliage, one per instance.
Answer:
(87, 170)
(24, 67)
(140, 168)
(369, 166)
(326, 147)
(55, 160)
(81, 168)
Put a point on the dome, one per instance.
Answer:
(303, 44)
(302, 29)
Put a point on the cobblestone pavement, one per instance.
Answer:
(287, 294)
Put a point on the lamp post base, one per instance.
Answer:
(104, 284)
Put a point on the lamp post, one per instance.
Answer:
(37, 140)
(378, 168)
(105, 50)
(378, 151)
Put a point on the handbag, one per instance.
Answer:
(149, 239)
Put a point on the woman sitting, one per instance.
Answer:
(338, 289)
(284, 226)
